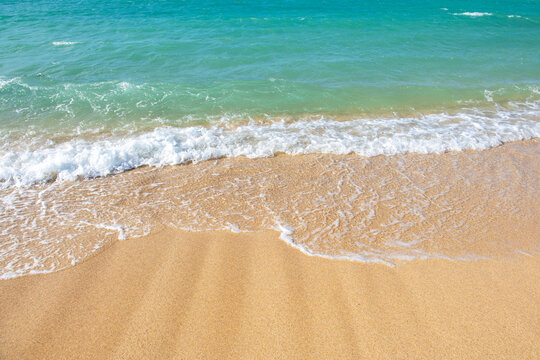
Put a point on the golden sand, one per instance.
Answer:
(213, 293)
(216, 295)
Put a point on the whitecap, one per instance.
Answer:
(65, 43)
(473, 14)
(435, 133)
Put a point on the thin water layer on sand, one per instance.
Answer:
(457, 205)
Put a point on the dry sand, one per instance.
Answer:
(221, 295)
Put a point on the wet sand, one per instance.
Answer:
(458, 205)
(220, 295)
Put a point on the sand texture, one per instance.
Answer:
(432, 256)
(216, 295)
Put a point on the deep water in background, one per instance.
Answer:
(105, 61)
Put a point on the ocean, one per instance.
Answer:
(95, 88)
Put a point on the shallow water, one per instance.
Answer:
(458, 205)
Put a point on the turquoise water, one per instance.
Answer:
(103, 70)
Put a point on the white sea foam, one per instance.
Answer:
(65, 43)
(473, 14)
(435, 133)
(285, 233)
(4, 82)
(15, 81)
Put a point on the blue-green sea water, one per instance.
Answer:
(89, 88)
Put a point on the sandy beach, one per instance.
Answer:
(468, 221)
(269, 180)
(217, 295)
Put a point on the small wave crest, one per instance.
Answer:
(165, 145)
(473, 14)
(65, 43)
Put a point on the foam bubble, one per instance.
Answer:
(473, 14)
(65, 43)
(6, 82)
(285, 233)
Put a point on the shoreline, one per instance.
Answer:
(269, 180)
(390, 209)
(166, 292)
(177, 294)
